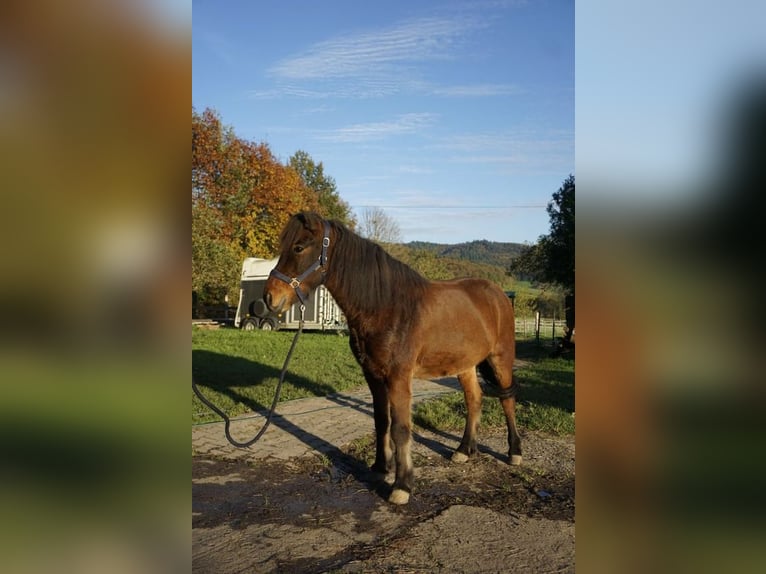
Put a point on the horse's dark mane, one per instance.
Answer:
(364, 279)
(369, 279)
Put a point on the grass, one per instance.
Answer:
(239, 370)
(545, 401)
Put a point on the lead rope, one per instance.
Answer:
(225, 417)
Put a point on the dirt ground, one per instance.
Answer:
(316, 515)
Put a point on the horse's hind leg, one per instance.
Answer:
(472, 393)
(502, 369)
(514, 441)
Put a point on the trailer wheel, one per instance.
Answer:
(258, 308)
(249, 325)
(269, 325)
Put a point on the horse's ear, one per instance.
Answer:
(303, 219)
(311, 221)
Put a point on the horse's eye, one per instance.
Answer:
(298, 248)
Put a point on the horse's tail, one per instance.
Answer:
(492, 387)
(488, 373)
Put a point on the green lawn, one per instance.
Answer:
(545, 401)
(239, 370)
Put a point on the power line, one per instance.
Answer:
(520, 206)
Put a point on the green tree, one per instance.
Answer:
(216, 261)
(552, 258)
(559, 246)
(331, 206)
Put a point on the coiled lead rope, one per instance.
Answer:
(225, 417)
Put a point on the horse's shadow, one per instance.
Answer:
(223, 373)
(226, 374)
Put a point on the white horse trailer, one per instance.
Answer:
(322, 312)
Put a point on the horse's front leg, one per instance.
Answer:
(384, 454)
(502, 367)
(400, 399)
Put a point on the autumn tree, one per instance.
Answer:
(331, 206)
(241, 199)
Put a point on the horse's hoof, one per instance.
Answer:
(460, 457)
(399, 496)
(515, 460)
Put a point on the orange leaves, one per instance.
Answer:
(206, 150)
(251, 193)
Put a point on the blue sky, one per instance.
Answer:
(457, 118)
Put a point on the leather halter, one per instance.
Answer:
(320, 263)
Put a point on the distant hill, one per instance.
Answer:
(481, 259)
(482, 251)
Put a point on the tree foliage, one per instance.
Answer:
(549, 302)
(241, 199)
(215, 262)
(479, 251)
(439, 267)
(552, 259)
(331, 206)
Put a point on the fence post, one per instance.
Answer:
(537, 326)
(553, 328)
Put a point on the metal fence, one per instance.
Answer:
(540, 328)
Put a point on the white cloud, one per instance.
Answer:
(363, 53)
(415, 170)
(371, 87)
(522, 150)
(403, 124)
(478, 90)
(406, 198)
(374, 63)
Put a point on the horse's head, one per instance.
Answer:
(302, 260)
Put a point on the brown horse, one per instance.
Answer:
(402, 326)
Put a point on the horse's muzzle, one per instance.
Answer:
(271, 305)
